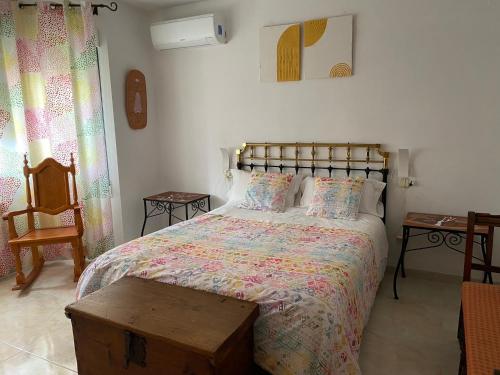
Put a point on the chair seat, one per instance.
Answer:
(47, 235)
(481, 317)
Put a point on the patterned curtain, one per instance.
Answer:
(50, 106)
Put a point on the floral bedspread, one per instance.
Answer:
(315, 285)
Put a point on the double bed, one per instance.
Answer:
(315, 279)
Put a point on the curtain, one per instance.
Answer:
(50, 106)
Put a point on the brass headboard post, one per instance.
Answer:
(358, 157)
(297, 152)
(348, 169)
(313, 159)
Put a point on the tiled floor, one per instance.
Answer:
(415, 335)
(35, 335)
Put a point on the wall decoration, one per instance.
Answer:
(280, 53)
(136, 100)
(328, 47)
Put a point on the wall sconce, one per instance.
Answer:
(404, 169)
(226, 163)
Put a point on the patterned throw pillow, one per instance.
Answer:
(336, 198)
(267, 191)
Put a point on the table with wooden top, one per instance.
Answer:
(169, 201)
(439, 230)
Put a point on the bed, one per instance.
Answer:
(314, 279)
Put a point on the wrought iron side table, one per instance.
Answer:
(439, 230)
(169, 201)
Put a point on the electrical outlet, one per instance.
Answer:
(406, 182)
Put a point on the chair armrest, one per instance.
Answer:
(77, 210)
(8, 215)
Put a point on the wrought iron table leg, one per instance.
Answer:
(403, 270)
(187, 214)
(169, 214)
(483, 251)
(486, 259)
(145, 218)
(489, 252)
(209, 209)
(406, 232)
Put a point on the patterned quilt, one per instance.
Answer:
(315, 285)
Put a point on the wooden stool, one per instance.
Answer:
(479, 324)
(481, 320)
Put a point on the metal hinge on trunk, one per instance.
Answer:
(135, 349)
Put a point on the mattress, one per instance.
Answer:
(314, 279)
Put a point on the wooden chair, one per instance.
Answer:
(52, 196)
(479, 324)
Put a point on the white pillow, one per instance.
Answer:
(370, 197)
(380, 209)
(307, 190)
(241, 179)
(293, 190)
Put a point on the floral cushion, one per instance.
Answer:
(336, 198)
(267, 191)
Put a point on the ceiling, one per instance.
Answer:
(154, 4)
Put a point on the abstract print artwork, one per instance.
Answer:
(328, 47)
(280, 53)
(50, 106)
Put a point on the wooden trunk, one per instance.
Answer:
(137, 326)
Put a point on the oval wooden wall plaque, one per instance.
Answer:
(136, 100)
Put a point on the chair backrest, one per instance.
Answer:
(481, 219)
(51, 186)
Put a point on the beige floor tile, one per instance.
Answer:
(28, 364)
(417, 333)
(31, 319)
(7, 351)
(57, 346)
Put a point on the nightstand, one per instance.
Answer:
(169, 201)
(447, 230)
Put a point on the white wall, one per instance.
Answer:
(136, 163)
(426, 78)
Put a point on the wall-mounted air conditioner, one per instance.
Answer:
(188, 32)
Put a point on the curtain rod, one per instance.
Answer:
(113, 6)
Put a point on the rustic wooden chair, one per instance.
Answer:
(479, 324)
(51, 189)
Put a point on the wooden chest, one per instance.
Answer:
(137, 326)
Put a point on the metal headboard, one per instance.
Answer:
(331, 157)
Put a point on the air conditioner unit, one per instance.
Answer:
(188, 32)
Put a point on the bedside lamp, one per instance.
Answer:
(403, 169)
